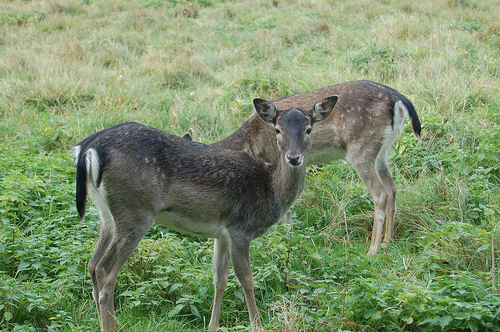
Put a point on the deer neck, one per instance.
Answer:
(287, 182)
(236, 141)
(254, 137)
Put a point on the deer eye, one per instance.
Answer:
(277, 131)
(308, 131)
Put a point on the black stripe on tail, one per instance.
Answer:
(415, 122)
(81, 185)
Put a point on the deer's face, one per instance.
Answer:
(293, 127)
(293, 133)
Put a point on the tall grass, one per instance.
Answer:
(71, 68)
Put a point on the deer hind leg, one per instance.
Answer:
(386, 178)
(107, 261)
(220, 272)
(105, 237)
(241, 265)
(106, 234)
(384, 172)
(366, 168)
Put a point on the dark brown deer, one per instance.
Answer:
(137, 175)
(367, 120)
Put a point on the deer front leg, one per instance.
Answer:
(220, 272)
(241, 264)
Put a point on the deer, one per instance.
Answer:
(137, 176)
(368, 119)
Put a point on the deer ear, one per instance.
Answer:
(323, 108)
(266, 110)
(188, 135)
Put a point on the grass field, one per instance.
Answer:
(71, 68)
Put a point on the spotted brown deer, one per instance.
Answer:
(367, 120)
(137, 176)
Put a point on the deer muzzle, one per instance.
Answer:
(295, 159)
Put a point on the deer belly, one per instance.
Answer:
(184, 224)
(325, 155)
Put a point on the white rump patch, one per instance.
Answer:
(400, 112)
(98, 194)
(92, 166)
(99, 198)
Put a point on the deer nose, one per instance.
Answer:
(294, 159)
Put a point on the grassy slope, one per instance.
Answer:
(70, 68)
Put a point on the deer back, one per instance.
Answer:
(363, 115)
(155, 172)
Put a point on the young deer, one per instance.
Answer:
(367, 120)
(136, 176)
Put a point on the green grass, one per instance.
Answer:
(70, 68)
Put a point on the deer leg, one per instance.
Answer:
(241, 264)
(220, 272)
(386, 177)
(126, 237)
(368, 174)
(380, 197)
(105, 237)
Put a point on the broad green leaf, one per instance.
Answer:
(175, 310)
(194, 311)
